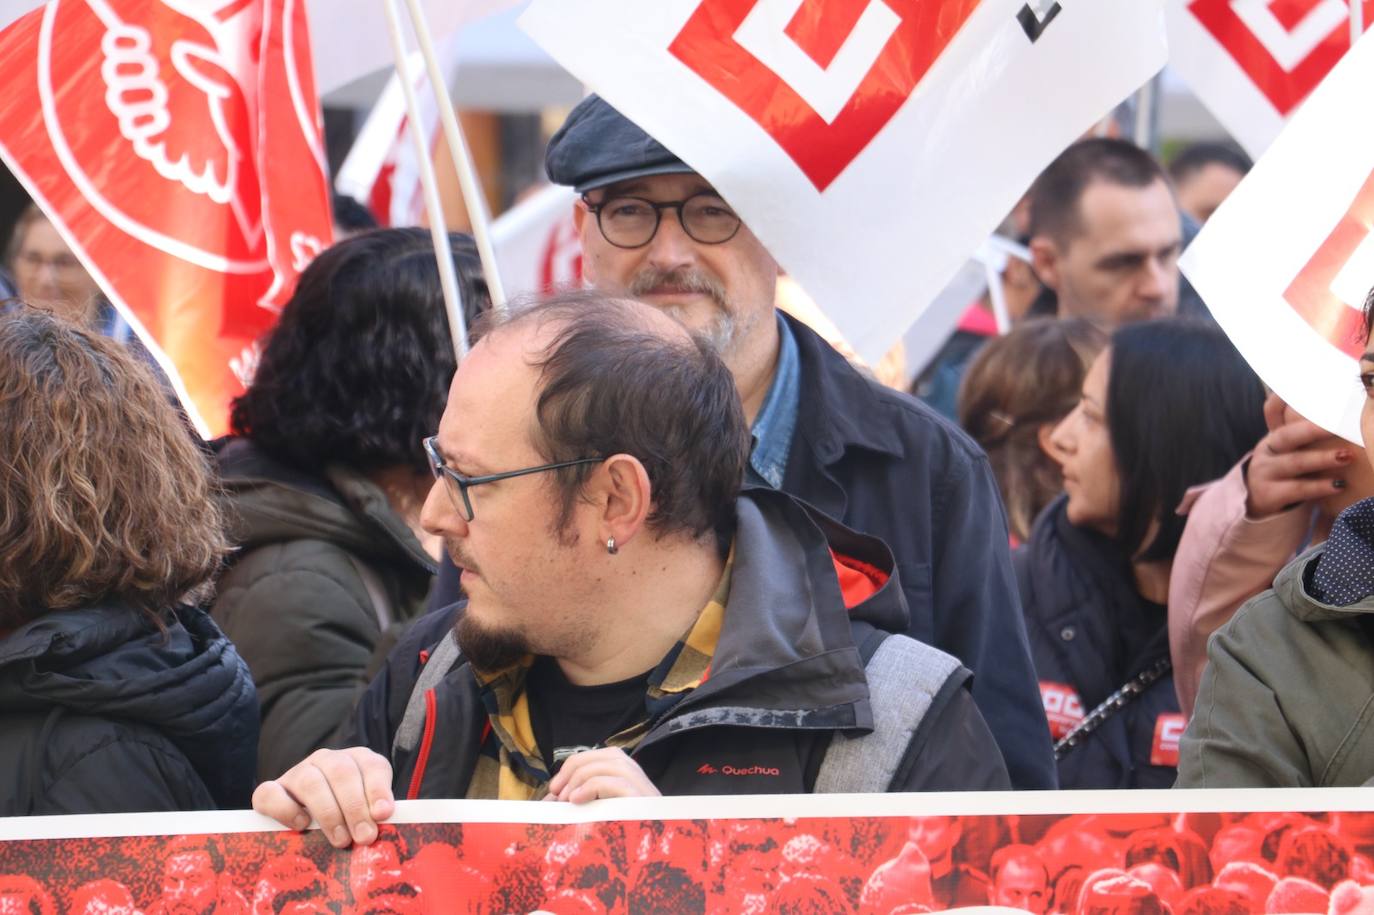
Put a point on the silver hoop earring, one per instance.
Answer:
(611, 547)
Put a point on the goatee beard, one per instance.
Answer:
(489, 649)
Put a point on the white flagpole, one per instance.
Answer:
(438, 228)
(1356, 21)
(462, 160)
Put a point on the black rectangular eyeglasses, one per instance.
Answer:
(458, 485)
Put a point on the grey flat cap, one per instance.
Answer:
(598, 145)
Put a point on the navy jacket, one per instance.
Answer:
(886, 465)
(787, 673)
(1091, 632)
(100, 712)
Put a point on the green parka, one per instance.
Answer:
(1287, 698)
(296, 599)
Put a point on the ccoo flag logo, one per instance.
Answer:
(1285, 47)
(822, 77)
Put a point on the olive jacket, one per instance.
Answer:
(1287, 698)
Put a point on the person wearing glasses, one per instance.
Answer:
(635, 625)
(876, 460)
(324, 477)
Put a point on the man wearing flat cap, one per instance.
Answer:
(874, 459)
(878, 461)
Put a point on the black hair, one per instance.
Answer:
(1055, 195)
(1182, 408)
(350, 215)
(358, 368)
(1195, 158)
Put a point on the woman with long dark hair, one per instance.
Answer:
(1167, 405)
(116, 692)
(325, 476)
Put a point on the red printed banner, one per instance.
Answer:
(177, 149)
(1070, 853)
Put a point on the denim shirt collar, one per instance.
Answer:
(777, 418)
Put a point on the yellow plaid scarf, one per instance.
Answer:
(516, 772)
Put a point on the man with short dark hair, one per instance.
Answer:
(1205, 174)
(634, 625)
(876, 460)
(1106, 233)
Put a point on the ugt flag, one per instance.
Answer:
(1286, 263)
(1252, 62)
(177, 148)
(872, 145)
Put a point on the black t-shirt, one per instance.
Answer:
(567, 718)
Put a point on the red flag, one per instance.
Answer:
(177, 148)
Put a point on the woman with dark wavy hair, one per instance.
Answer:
(116, 692)
(325, 476)
(1167, 405)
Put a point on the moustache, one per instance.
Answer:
(462, 561)
(685, 280)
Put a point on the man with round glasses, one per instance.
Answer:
(878, 461)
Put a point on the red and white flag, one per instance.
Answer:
(536, 243)
(1286, 263)
(1252, 62)
(873, 145)
(177, 148)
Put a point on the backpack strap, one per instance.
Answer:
(442, 659)
(904, 677)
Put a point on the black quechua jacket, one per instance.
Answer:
(100, 712)
(887, 465)
(1091, 632)
(785, 677)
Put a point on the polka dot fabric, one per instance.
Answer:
(1345, 573)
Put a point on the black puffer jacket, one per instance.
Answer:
(102, 713)
(1091, 631)
(786, 675)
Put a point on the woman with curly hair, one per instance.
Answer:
(325, 476)
(116, 693)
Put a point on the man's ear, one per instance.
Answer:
(624, 496)
(1045, 260)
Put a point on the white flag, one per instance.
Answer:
(871, 146)
(1286, 262)
(1252, 63)
(381, 170)
(536, 243)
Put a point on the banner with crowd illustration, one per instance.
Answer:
(1069, 852)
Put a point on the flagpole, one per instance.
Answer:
(462, 159)
(1356, 21)
(438, 228)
